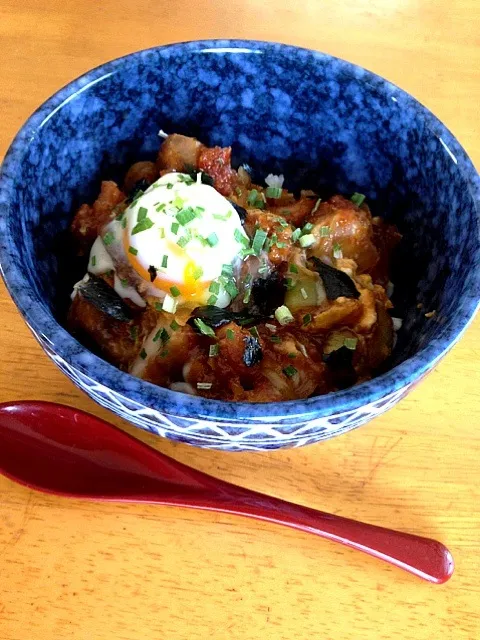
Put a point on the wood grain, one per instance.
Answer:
(75, 570)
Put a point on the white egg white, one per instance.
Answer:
(175, 240)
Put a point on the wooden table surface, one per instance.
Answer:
(87, 571)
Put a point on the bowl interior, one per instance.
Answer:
(323, 123)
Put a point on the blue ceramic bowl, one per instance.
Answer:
(320, 121)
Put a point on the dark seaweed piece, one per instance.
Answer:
(138, 188)
(267, 294)
(205, 178)
(242, 213)
(340, 366)
(211, 315)
(215, 317)
(104, 298)
(337, 283)
(152, 273)
(253, 353)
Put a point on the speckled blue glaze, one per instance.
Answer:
(326, 124)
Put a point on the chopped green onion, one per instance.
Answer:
(175, 291)
(224, 217)
(304, 293)
(133, 251)
(124, 223)
(200, 238)
(292, 355)
(283, 315)
(212, 300)
(134, 332)
(160, 207)
(214, 287)
(357, 198)
(197, 273)
(158, 306)
(271, 327)
(252, 197)
(350, 343)
(296, 234)
(281, 245)
(185, 216)
(124, 282)
(248, 252)
(276, 339)
(108, 238)
(263, 269)
(317, 204)
(93, 261)
(230, 334)
(169, 304)
(307, 228)
(324, 232)
(259, 241)
(273, 192)
(169, 185)
(161, 233)
(204, 385)
(293, 268)
(231, 289)
(283, 223)
(178, 203)
(337, 251)
(254, 332)
(174, 326)
(227, 270)
(307, 240)
(164, 261)
(289, 283)
(143, 354)
(143, 225)
(174, 228)
(290, 371)
(163, 335)
(142, 214)
(204, 328)
(212, 239)
(183, 241)
(213, 350)
(307, 318)
(246, 297)
(164, 353)
(239, 237)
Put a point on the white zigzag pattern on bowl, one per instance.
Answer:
(207, 434)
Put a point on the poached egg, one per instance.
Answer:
(182, 240)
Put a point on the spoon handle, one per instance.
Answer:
(426, 558)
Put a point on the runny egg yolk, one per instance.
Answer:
(179, 235)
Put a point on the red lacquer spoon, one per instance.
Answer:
(61, 450)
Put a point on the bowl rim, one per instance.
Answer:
(48, 331)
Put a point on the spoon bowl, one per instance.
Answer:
(61, 450)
